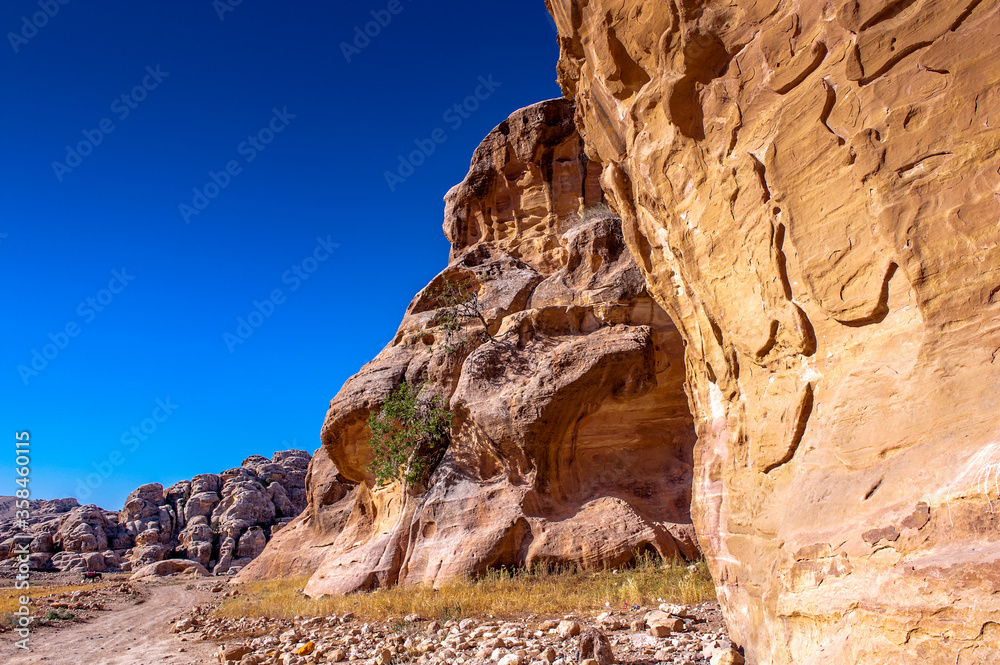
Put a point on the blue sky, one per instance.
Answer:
(198, 242)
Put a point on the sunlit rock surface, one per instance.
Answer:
(572, 439)
(810, 190)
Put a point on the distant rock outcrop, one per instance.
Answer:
(571, 441)
(220, 521)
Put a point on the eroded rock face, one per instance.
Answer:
(571, 439)
(809, 189)
(216, 520)
(220, 521)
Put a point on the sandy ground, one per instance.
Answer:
(134, 635)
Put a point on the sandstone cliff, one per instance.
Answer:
(810, 190)
(571, 440)
(222, 521)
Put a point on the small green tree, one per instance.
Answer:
(459, 302)
(405, 434)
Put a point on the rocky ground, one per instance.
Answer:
(114, 623)
(119, 622)
(672, 634)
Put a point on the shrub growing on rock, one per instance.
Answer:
(459, 302)
(406, 433)
(599, 211)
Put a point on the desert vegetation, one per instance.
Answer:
(406, 433)
(499, 592)
(458, 302)
(9, 599)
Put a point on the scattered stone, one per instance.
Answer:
(594, 645)
(567, 629)
(728, 656)
(662, 624)
(233, 653)
(675, 610)
(573, 640)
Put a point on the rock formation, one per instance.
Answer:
(217, 520)
(810, 190)
(571, 438)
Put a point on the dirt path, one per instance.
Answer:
(135, 635)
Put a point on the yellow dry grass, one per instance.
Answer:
(10, 598)
(498, 593)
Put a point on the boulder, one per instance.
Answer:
(232, 653)
(84, 529)
(94, 561)
(68, 561)
(111, 559)
(148, 537)
(42, 542)
(169, 567)
(727, 657)
(141, 506)
(279, 497)
(594, 645)
(251, 543)
(40, 561)
(143, 555)
(205, 482)
(200, 505)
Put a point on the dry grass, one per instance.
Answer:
(599, 211)
(498, 593)
(10, 597)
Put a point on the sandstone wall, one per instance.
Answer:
(810, 190)
(571, 441)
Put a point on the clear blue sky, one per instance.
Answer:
(127, 298)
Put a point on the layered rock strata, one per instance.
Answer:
(810, 190)
(571, 437)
